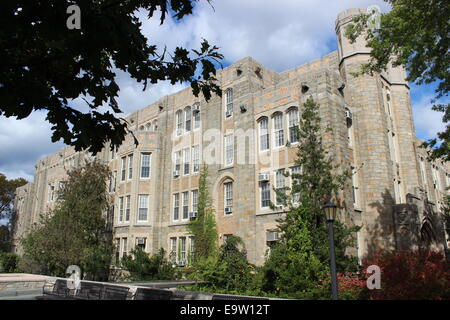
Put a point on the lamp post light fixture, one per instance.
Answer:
(330, 212)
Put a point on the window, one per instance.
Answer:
(148, 127)
(229, 150)
(124, 247)
(176, 206)
(127, 210)
(173, 250)
(191, 250)
(143, 207)
(141, 242)
(265, 194)
(185, 205)
(51, 192)
(355, 189)
(177, 162)
(111, 181)
(123, 168)
(186, 157)
(228, 194)
(179, 119)
(280, 187)
(195, 201)
(196, 159)
(229, 102)
(188, 117)
(155, 125)
(293, 125)
(264, 134)
(130, 166)
(145, 165)
(120, 209)
(117, 247)
(182, 256)
(278, 130)
(197, 122)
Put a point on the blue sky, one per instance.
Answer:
(280, 34)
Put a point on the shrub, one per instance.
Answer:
(406, 275)
(9, 262)
(143, 267)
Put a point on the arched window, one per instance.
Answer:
(293, 125)
(278, 129)
(188, 119)
(179, 120)
(264, 134)
(141, 128)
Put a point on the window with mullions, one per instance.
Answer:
(228, 194)
(293, 125)
(145, 165)
(265, 194)
(185, 205)
(188, 119)
(143, 208)
(278, 130)
(186, 157)
(229, 149)
(196, 159)
(176, 206)
(229, 102)
(280, 185)
(264, 134)
(130, 166)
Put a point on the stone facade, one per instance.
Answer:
(248, 132)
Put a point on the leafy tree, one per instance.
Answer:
(76, 231)
(415, 34)
(143, 267)
(4, 238)
(204, 227)
(8, 262)
(53, 65)
(300, 260)
(7, 194)
(230, 272)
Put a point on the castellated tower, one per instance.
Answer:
(384, 156)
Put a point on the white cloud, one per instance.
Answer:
(427, 122)
(22, 143)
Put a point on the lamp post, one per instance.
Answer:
(330, 211)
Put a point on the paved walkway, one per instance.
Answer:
(22, 277)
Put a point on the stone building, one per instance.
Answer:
(247, 138)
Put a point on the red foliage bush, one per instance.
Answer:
(406, 275)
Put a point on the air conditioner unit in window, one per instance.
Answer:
(140, 241)
(176, 173)
(228, 210)
(193, 215)
(181, 263)
(263, 177)
(272, 236)
(196, 109)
